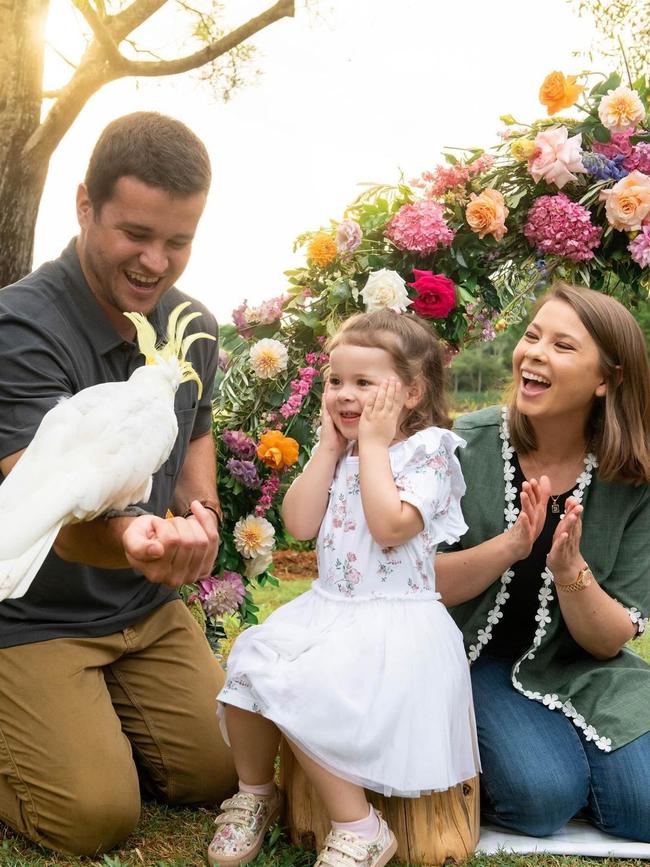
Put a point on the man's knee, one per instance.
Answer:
(95, 819)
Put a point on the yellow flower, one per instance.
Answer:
(268, 357)
(253, 536)
(233, 627)
(276, 450)
(621, 109)
(522, 149)
(322, 250)
(559, 91)
(486, 214)
(500, 325)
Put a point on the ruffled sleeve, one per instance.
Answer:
(428, 475)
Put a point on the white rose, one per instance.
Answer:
(258, 565)
(383, 289)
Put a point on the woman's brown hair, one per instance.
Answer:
(618, 427)
(416, 354)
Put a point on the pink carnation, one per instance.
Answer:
(348, 236)
(419, 228)
(640, 247)
(561, 227)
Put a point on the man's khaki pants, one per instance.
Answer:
(82, 718)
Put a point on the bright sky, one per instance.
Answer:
(365, 90)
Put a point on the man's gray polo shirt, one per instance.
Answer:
(54, 341)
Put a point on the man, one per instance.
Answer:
(107, 681)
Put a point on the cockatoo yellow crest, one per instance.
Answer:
(94, 451)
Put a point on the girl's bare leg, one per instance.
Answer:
(343, 801)
(254, 741)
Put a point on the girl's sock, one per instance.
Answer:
(264, 791)
(367, 828)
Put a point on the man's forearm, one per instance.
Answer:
(96, 543)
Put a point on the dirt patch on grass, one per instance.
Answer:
(293, 565)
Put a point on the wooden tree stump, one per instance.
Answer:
(440, 828)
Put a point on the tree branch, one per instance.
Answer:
(133, 16)
(282, 9)
(100, 31)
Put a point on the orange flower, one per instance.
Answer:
(322, 250)
(276, 450)
(486, 214)
(559, 91)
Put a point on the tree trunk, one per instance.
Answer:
(22, 178)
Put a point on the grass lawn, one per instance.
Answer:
(169, 837)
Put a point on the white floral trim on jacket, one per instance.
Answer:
(551, 700)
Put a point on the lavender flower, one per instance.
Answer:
(348, 236)
(244, 472)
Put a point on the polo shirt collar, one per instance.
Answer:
(102, 333)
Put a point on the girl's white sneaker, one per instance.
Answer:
(342, 849)
(241, 828)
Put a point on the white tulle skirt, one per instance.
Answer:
(376, 690)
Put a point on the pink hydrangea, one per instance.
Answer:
(420, 228)
(561, 227)
(640, 247)
(223, 595)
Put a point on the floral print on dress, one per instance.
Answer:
(341, 516)
(351, 564)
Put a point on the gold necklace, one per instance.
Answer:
(555, 506)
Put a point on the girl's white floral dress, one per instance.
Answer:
(366, 672)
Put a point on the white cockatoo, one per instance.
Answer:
(94, 451)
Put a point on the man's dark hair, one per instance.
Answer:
(156, 149)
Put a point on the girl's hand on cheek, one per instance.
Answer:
(380, 417)
(330, 436)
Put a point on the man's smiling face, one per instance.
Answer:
(136, 246)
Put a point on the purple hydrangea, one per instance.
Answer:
(239, 443)
(244, 472)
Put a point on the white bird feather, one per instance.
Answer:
(94, 451)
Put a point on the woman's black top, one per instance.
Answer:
(514, 632)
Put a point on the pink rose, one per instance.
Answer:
(556, 157)
(436, 295)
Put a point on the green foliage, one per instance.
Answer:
(623, 33)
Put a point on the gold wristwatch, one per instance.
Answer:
(584, 579)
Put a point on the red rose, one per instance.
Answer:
(436, 295)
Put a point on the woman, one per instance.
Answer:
(553, 577)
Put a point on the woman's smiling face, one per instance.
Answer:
(556, 365)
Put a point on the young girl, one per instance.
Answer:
(365, 675)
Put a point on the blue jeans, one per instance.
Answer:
(538, 770)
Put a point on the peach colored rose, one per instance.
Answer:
(486, 214)
(559, 91)
(628, 202)
(556, 157)
(620, 109)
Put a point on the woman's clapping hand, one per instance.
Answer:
(531, 518)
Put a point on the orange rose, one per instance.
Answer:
(559, 91)
(276, 450)
(486, 214)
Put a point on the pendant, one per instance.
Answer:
(555, 508)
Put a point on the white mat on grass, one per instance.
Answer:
(577, 838)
